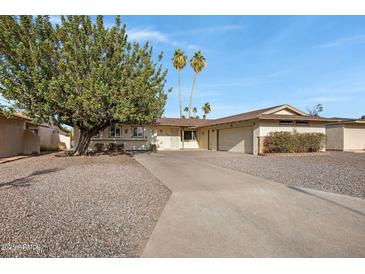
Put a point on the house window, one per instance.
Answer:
(286, 122)
(302, 123)
(115, 131)
(189, 135)
(138, 132)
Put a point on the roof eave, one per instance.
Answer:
(301, 118)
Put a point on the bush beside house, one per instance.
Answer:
(287, 142)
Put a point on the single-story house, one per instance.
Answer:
(243, 132)
(347, 135)
(18, 135)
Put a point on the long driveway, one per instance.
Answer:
(217, 212)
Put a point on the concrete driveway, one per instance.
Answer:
(217, 212)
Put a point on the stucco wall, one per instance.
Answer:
(65, 141)
(354, 137)
(169, 137)
(130, 142)
(202, 138)
(285, 112)
(11, 137)
(50, 138)
(31, 143)
(334, 137)
(269, 126)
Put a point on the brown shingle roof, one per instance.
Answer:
(256, 114)
(180, 122)
(206, 122)
(241, 117)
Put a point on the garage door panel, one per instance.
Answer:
(235, 139)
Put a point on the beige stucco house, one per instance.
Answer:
(243, 133)
(348, 135)
(18, 135)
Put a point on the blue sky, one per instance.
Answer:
(260, 61)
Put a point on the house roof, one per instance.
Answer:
(354, 121)
(182, 122)
(262, 114)
(241, 117)
(19, 115)
(296, 118)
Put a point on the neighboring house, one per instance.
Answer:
(348, 135)
(18, 135)
(52, 138)
(239, 133)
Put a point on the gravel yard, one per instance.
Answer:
(102, 206)
(338, 172)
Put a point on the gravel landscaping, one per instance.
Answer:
(338, 172)
(101, 206)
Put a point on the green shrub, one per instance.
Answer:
(112, 147)
(99, 147)
(287, 142)
(120, 147)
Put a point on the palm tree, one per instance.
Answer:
(195, 110)
(179, 62)
(186, 109)
(206, 109)
(198, 63)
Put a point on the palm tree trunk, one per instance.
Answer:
(180, 98)
(191, 94)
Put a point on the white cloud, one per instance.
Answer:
(223, 28)
(358, 39)
(149, 34)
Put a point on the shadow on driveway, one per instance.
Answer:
(25, 181)
(327, 200)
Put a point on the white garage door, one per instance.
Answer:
(235, 139)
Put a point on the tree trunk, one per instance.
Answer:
(191, 95)
(180, 98)
(83, 143)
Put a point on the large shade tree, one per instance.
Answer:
(79, 73)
